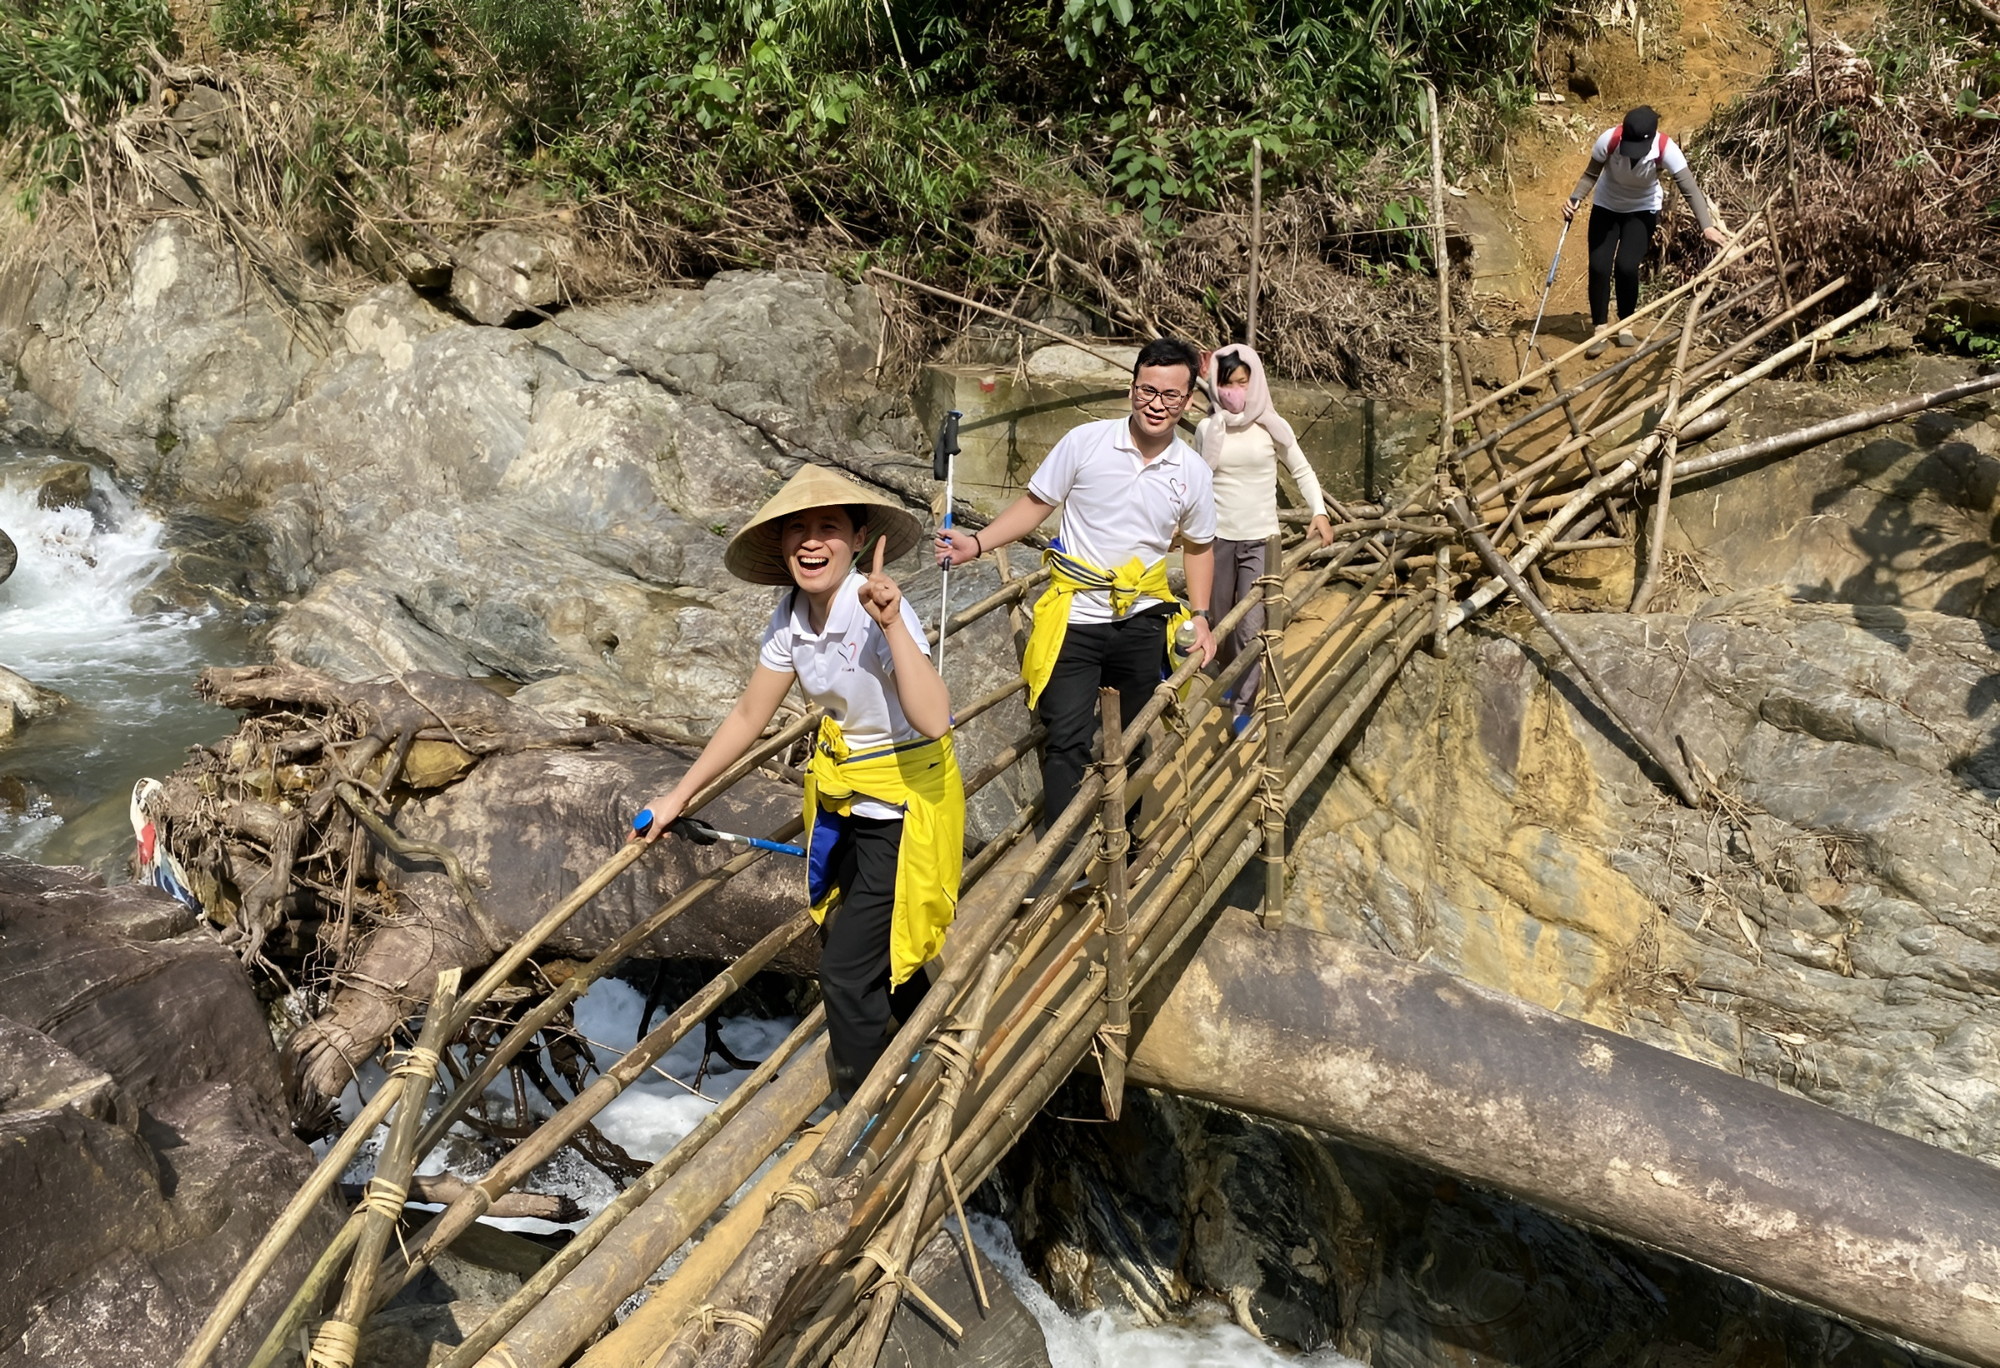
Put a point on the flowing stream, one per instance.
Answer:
(75, 617)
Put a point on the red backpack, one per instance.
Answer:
(1660, 141)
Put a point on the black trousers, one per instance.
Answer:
(1619, 242)
(1125, 655)
(854, 951)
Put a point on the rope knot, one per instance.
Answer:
(420, 1061)
(892, 1273)
(802, 1195)
(334, 1345)
(384, 1198)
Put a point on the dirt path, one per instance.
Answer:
(1712, 51)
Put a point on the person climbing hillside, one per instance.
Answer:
(1625, 167)
(884, 801)
(1128, 487)
(1241, 440)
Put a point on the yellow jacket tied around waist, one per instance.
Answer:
(1069, 576)
(922, 778)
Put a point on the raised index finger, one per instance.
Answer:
(881, 545)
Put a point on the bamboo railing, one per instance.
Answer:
(1033, 982)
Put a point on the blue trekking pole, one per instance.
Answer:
(701, 833)
(942, 452)
(1547, 285)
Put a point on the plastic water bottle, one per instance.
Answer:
(1184, 637)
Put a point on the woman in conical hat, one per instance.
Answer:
(884, 802)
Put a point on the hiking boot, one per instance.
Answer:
(1596, 349)
(1626, 338)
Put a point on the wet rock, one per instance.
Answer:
(503, 276)
(66, 485)
(1004, 1336)
(21, 702)
(145, 1146)
(1829, 929)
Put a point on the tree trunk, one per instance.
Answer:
(1585, 1123)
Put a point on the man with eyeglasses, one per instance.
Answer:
(1128, 488)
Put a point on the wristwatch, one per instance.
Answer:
(1201, 613)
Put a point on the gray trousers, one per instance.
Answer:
(1238, 564)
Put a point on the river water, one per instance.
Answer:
(76, 617)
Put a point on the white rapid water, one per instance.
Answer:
(650, 1117)
(68, 622)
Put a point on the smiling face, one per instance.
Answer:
(1159, 393)
(818, 546)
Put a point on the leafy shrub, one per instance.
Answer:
(66, 64)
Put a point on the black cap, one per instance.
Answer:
(1640, 126)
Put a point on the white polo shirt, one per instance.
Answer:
(846, 669)
(1116, 504)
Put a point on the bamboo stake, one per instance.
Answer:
(1669, 424)
(1256, 236)
(1117, 923)
(337, 1339)
(1276, 723)
(317, 1184)
(1441, 258)
(903, 1243)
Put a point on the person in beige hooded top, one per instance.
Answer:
(1241, 440)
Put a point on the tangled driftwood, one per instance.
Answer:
(355, 840)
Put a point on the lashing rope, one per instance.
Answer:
(892, 1272)
(334, 1345)
(384, 1198)
(802, 1195)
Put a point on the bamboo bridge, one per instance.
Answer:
(809, 1266)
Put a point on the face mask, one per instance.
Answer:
(1233, 397)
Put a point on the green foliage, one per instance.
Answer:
(65, 64)
(1983, 346)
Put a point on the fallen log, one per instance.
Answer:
(1865, 1223)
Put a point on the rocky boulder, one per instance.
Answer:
(544, 504)
(505, 277)
(144, 1146)
(1829, 925)
(21, 702)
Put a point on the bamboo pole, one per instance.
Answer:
(336, 1341)
(903, 1243)
(1276, 723)
(997, 313)
(1256, 237)
(552, 1134)
(1117, 921)
(1606, 698)
(1639, 406)
(1441, 258)
(1669, 423)
(639, 1340)
(557, 1325)
(317, 1184)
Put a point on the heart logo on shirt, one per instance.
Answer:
(850, 651)
(1178, 488)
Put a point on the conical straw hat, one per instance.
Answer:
(753, 552)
